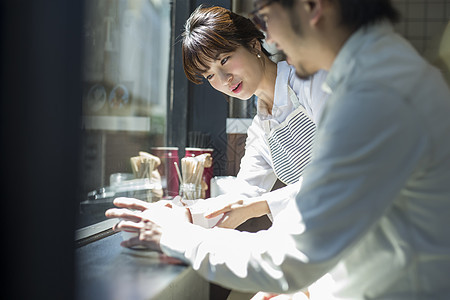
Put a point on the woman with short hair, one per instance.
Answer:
(226, 50)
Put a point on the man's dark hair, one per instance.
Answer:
(357, 13)
(361, 13)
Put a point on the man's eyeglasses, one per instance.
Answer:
(256, 18)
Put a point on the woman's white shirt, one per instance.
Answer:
(256, 169)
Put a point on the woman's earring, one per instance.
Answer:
(258, 56)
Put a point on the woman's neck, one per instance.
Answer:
(266, 88)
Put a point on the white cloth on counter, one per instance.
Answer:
(375, 199)
(198, 210)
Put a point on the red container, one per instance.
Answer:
(167, 169)
(207, 172)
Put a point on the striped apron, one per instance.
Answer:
(291, 143)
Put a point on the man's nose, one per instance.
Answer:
(269, 39)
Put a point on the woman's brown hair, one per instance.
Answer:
(211, 31)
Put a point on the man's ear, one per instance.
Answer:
(314, 8)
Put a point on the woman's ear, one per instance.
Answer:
(256, 46)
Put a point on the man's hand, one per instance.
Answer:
(146, 220)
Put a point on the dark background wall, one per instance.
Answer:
(39, 130)
(40, 126)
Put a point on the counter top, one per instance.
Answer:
(105, 270)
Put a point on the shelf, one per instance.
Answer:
(116, 123)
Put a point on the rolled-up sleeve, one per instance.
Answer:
(278, 200)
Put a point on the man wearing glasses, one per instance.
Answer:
(374, 205)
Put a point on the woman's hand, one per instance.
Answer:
(236, 213)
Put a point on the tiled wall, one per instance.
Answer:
(422, 20)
